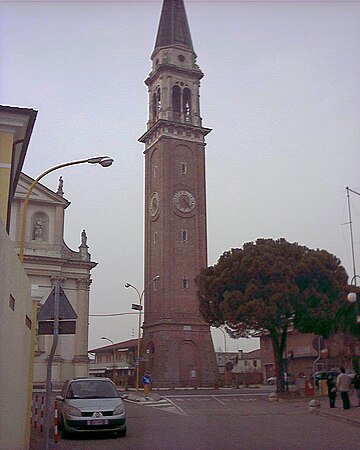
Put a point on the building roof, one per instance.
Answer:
(118, 345)
(173, 26)
(253, 354)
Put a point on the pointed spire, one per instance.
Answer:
(173, 26)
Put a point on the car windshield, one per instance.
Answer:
(91, 389)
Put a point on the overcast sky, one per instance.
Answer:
(281, 92)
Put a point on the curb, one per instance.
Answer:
(338, 417)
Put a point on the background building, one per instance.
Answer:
(115, 361)
(239, 367)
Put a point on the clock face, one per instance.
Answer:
(184, 201)
(154, 204)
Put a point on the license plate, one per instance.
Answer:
(97, 422)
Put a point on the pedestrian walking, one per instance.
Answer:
(343, 384)
(331, 385)
(356, 384)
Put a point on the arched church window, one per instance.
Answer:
(176, 102)
(153, 106)
(158, 100)
(40, 227)
(187, 104)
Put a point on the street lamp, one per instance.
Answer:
(104, 161)
(355, 297)
(225, 368)
(139, 307)
(113, 343)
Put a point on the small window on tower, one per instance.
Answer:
(183, 168)
(155, 170)
(155, 238)
(12, 302)
(155, 285)
(184, 283)
(184, 235)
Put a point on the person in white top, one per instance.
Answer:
(343, 384)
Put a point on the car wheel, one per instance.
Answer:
(64, 434)
(122, 433)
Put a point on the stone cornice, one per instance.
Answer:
(173, 69)
(51, 261)
(175, 130)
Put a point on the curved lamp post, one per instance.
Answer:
(104, 161)
(113, 343)
(355, 297)
(140, 296)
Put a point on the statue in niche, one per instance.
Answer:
(38, 230)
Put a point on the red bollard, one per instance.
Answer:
(56, 432)
(35, 412)
(41, 415)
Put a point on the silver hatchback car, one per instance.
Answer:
(91, 405)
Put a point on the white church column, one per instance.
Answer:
(81, 360)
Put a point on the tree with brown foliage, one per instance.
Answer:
(268, 285)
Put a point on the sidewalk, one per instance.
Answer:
(351, 415)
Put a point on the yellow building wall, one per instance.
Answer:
(15, 335)
(6, 144)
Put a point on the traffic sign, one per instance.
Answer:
(65, 327)
(66, 311)
(136, 307)
(318, 342)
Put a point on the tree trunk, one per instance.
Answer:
(279, 345)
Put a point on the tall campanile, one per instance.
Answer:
(177, 344)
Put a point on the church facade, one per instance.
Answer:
(47, 258)
(177, 344)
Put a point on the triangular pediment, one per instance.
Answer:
(40, 193)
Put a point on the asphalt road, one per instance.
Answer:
(220, 420)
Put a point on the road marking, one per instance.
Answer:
(162, 404)
(217, 399)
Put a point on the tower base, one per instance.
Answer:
(179, 355)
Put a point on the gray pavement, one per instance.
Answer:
(351, 415)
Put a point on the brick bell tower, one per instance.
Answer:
(177, 344)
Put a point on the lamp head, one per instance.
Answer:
(127, 285)
(104, 161)
(352, 297)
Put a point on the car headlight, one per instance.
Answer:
(119, 409)
(72, 411)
